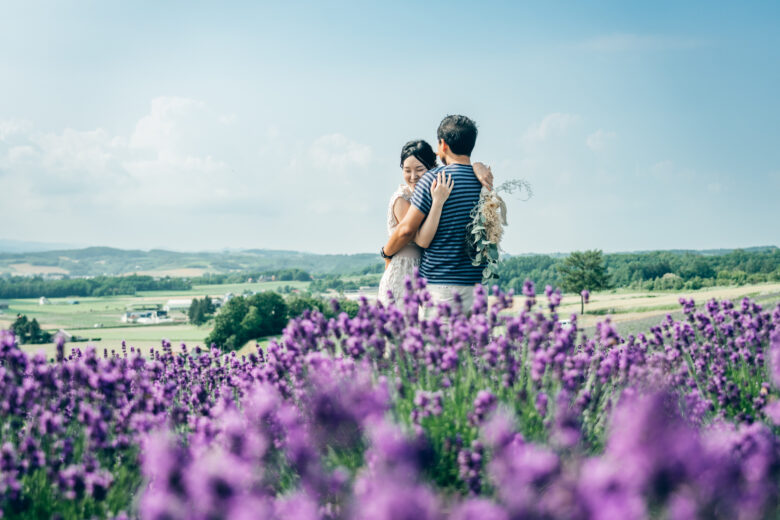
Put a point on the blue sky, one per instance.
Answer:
(199, 126)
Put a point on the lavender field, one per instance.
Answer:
(499, 415)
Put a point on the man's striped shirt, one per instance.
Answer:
(446, 261)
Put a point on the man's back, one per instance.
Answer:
(446, 261)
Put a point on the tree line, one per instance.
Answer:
(338, 284)
(283, 275)
(37, 286)
(246, 318)
(652, 271)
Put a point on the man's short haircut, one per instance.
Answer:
(460, 134)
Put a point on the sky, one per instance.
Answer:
(209, 125)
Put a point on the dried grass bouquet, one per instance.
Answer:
(488, 218)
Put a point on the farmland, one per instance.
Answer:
(629, 310)
(80, 319)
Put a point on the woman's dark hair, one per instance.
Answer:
(421, 150)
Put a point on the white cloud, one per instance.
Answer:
(166, 124)
(13, 127)
(183, 165)
(600, 139)
(164, 162)
(551, 125)
(21, 153)
(83, 151)
(336, 152)
(627, 42)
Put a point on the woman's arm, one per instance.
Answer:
(484, 175)
(441, 188)
(400, 208)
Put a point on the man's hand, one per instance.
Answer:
(387, 263)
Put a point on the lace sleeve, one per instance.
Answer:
(403, 192)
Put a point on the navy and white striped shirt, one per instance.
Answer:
(446, 261)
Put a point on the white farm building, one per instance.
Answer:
(178, 305)
(145, 317)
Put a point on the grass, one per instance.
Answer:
(625, 310)
(80, 319)
(60, 314)
(235, 288)
(109, 309)
(144, 337)
(632, 312)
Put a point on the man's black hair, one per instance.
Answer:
(460, 134)
(421, 150)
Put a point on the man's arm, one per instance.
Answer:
(405, 231)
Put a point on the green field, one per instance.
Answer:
(631, 312)
(109, 309)
(144, 337)
(220, 290)
(80, 319)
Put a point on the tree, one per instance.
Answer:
(273, 309)
(208, 305)
(201, 310)
(296, 305)
(192, 312)
(584, 271)
(19, 328)
(228, 323)
(252, 326)
(246, 318)
(34, 331)
(29, 331)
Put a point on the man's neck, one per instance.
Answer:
(459, 159)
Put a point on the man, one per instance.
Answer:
(446, 263)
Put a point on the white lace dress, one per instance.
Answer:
(404, 261)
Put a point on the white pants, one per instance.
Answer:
(446, 293)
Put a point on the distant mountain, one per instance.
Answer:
(709, 252)
(24, 246)
(93, 261)
(706, 252)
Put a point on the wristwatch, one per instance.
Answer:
(382, 252)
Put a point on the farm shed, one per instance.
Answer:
(178, 305)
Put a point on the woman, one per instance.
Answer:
(417, 157)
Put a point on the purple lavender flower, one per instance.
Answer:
(774, 357)
(484, 403)
(479, 509)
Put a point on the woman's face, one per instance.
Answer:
(413, 169)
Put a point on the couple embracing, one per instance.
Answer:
(429, 213)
